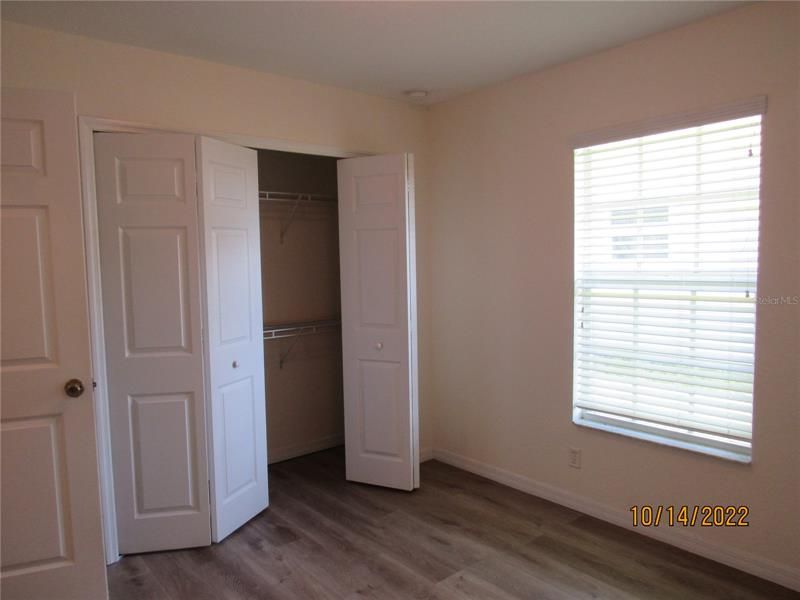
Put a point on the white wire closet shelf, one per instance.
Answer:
(285, 330)
(296, 331)
(293, 197)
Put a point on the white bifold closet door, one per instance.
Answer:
(168, 276)
(152, 312)
(52, 544)
(234, 340)
(379, 345)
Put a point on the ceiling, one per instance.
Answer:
(383, 48)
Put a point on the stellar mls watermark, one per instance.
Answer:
(775, 300)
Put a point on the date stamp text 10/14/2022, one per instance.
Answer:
(707, 515)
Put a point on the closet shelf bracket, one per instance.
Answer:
(285, 226)
(285, 355)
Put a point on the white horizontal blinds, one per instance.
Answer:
(666, 254)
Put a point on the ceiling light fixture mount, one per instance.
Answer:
(417, 94)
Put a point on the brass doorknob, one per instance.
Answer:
(74, 388)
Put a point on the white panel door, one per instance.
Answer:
(238, 423)
(379, 349)
(150, 267)
(52, 544)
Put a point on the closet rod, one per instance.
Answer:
(293, 197)
(296, 330)
(284, 330)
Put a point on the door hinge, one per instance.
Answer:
(210, 510)
(94, 384)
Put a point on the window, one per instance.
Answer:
(666, 257)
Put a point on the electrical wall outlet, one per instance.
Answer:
(575, 458)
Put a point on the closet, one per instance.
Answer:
(243, 291)
(298, 217)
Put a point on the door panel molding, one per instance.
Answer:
(161, 416)
(40, 501)
(164, 287)
(26, 229)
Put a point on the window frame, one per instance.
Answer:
(672, 436)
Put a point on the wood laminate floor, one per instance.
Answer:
(458, 536)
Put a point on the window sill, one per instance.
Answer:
(731, 455)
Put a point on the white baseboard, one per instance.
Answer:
(744, 561)
(275, 455)
(425, 454)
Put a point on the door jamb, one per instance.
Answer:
(87, 127)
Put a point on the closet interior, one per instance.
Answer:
(298, 216)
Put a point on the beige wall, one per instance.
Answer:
(176, 92)
(501, 264)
